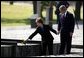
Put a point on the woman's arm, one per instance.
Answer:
(51, 29)
(33, 34)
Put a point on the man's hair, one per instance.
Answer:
(39, 20)
(63, 7)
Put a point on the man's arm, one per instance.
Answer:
(72, 20)
(59, 25)
(72, 24)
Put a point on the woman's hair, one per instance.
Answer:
(39, 20)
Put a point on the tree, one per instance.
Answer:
(11, 2)
(44, 4)
(77, 12)
(43, 7)
(50, 13)
(35, 7)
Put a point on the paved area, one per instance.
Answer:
(74, 53)
(23, 32)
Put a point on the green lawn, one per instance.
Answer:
(11, 14)
(19, 14)
(16, 11)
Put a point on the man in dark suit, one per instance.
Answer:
(47, 38)
(66, 29)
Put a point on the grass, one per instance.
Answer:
(19, 14)
(6, 22)
(15, 11)
(15, 14)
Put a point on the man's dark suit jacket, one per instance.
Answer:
(67, 25)
(44, 32)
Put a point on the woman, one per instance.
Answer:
(47, 38)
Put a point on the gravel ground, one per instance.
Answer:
(23, 32)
